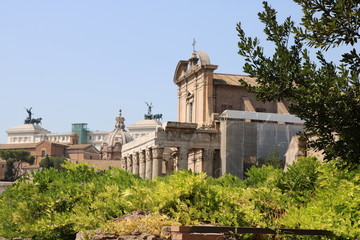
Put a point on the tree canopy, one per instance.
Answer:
(52, 162)
(14, 159)
(324, 94)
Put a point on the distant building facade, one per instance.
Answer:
(33, 133)
(143, 127)
(75, 152)
(80, 134)
(102, 149)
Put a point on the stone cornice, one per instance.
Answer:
(197, 70)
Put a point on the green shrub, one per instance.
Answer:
(263, 176)
(335, 205)
(54, 204)
(145, 223)
(299, 181)
(188, 198)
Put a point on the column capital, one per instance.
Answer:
(148, 154)
(135, 158)
(157, 151)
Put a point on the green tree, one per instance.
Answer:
(45, 162)
(274, 160)
(52, 162)
(14, 160)
(324, 95)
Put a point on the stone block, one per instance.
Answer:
(197, 236)
(183, 229)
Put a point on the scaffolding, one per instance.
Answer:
(81, 130)
(249, 138)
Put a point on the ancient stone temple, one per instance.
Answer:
(113, 142)
(221, 127)
(173, 146)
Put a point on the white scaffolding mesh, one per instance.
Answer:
(249, 137)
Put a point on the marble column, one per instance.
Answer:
(136, 163)
(149, 163)
(124, 163)
(157, 153)
(129, 163)
(191, 160)
(175, 156)
(198, 165)
(142, 168)
(183, 158)
(208, 165)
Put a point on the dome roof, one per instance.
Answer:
(119, 134)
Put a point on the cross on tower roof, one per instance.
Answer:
(193, 44)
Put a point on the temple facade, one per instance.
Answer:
(221, 128)
(174, 146)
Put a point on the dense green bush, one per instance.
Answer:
(53, 204)
(334, 204)
(56, 204)
(300, 179)
(264, 176)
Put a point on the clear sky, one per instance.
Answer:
(81, 61)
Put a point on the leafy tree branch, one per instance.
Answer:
(324, 95)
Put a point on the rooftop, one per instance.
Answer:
(233, 79)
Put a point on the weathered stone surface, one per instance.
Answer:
(110, 236)
(104, 236)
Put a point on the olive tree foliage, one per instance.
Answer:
(325, 95)
(14, 159)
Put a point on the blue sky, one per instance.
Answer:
(81, 61)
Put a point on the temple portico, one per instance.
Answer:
(172, 147)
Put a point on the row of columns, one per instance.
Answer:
(148, 163)
(197, 160)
